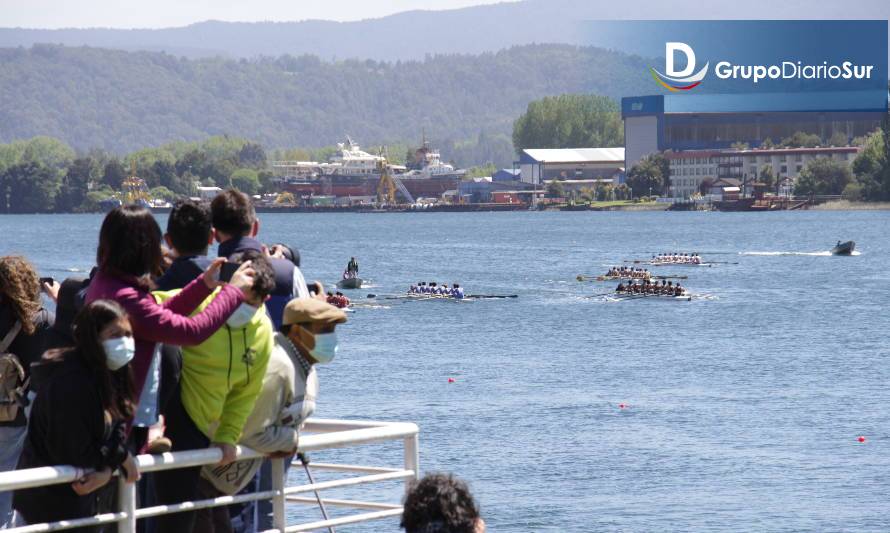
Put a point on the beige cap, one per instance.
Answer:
(303, 310)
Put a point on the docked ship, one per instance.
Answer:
(353, 172)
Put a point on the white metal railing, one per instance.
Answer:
(317, 434)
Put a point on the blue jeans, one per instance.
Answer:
(12, 440)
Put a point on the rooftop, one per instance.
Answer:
(573, 155)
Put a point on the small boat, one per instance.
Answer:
(639, 296)
(843, 248)
(350, 283)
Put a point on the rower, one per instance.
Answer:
(620, 287)
(412, 289)
(445, 291)
(458, 292)
(678, 290)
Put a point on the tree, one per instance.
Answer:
(823, 176)
(75, 184)
(163, 193)
(245, 180)
(838, 139)
(114, 174)
(29, 188)
(47, 151)
(646, 177)
(767, 144)
(800, 139)
(738, 145)
(555, 189)
(569, 121)
(252, 155)
(267, 182)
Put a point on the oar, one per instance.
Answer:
(493, 296)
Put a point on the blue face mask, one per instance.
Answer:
(326, 347)
(118, 352)
(242, 316)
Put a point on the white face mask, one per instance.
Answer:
(242, 316)
(326, 347)
(119, 351)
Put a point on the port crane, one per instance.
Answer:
(389, 184)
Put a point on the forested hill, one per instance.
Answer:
(122, 101)
(413, 34)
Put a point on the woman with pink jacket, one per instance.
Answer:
(129, 255)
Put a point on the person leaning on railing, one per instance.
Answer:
(307, 337)
(219, 384)
(79, 418)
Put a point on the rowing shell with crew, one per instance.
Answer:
(648, 289)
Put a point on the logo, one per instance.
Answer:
(682, 80)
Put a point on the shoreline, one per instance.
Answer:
(847, 205)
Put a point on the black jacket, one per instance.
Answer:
(183, 271)
(68, 426)
(28, 348)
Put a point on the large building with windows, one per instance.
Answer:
(681, 122)
(690, 168)
(540, 165)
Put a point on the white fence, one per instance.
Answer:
(317, 434)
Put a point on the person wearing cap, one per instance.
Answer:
(287, 398)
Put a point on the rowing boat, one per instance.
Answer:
(639, 296)
(350, 283)
(582, 277)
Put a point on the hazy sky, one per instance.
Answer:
(165, 13)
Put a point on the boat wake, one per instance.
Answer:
(825, 253)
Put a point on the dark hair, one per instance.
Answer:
(264, 281)
(440, 502)
(289, 253)
(130, 243)
(232, 213)
(189, 227)
(20, 288)
(115, 387)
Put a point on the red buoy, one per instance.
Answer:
(861, 439)
(621, 406)
(450, 380)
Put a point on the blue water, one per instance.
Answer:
(743, 409)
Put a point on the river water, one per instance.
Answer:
(742, 409)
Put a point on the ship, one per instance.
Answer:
(353, 172)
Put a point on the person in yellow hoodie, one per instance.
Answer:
(220, 381)
(306, 339)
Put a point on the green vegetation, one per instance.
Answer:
(871, 167)
(823, 176)
(123, 101)
(569, 121)
(650, 176)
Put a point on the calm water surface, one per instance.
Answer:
(743, 409)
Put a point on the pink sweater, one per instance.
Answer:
(167, 323)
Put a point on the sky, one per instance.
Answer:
(171, 13)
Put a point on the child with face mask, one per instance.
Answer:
(79, 417)
(307, 337)
(219, 383)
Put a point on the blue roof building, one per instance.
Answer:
(714, 121)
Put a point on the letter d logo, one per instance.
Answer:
(679, 78)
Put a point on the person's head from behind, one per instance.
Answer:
(68, 304)
(441, 503)
(189, 229)
(311, 325)
(130, 243)
(104, 341)
(264, 279)
(233, 215)
(285, 252)
(20, 290)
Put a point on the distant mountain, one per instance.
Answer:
(122, 101)
(414, 34)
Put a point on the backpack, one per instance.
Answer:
(12, 378)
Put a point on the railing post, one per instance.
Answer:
(126, 497)
(279, 482)
(412, 458)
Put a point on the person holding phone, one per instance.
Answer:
(128, 256)
(79, 418)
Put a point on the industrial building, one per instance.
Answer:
(690, 168)
(540, 165)
(681, 122)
